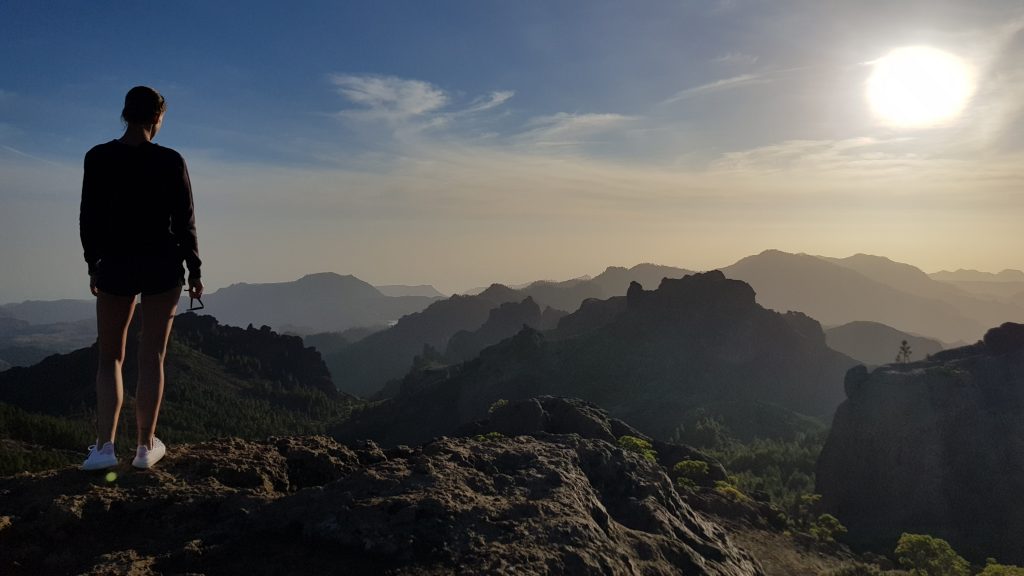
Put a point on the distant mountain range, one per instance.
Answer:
(876, 344)
(397, 291)
(870, 288)
(963, 275)
(953, 307)
(314, 303)
(569, 294)
(659, 358)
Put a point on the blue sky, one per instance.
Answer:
(460, 143)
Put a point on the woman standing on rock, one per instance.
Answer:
(137, 226)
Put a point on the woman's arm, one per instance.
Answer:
(90, 214)
(183, 223)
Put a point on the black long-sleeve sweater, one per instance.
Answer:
(137, 201)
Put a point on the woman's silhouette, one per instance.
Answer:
(137, 226)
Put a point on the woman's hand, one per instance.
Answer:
(195, 288)
(92, 285)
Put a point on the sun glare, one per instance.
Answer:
(919, 87)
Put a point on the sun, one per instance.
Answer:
(919, 87)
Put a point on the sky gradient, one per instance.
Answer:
(463, 143)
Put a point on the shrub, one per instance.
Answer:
(827, 528)
(500, 403)
(684, 483)
(489, 436)
(639, 446)
(730, 492)
(926, 555)
(856, 570)
(694, 470)
(992, 568)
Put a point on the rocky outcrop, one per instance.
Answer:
(502, 322)
(934, 447)
(554, 415)
(561, 504)
(652, 358)
(367, 365)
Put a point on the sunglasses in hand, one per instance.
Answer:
(192, 303)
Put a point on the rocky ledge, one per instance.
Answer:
(543, 504)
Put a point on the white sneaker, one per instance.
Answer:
(147, 457)
(100, 459)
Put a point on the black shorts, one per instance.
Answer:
(132, 275)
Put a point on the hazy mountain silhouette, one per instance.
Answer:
(50, 311)
(366, 366)
(1006, 286)
(835, 294)
(875, 344)
(569, 294)
(914, 281)
(964, 275)
(933, 447)
(314, 303)
(397, 290)
(24, 344)
(692, 343)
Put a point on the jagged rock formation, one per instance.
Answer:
(364, 367)
(649, 358)
(934, 447)
(558, 504)
(502, 322)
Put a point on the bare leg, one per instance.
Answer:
(113, 315)
(157, 319)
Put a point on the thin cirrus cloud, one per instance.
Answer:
(717, 86)
(565, 129)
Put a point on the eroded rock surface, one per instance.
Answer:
(562, 504)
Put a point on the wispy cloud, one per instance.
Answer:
(565, 129)
(736, 59)
(492, 100)
(388, 97)
(718, 86)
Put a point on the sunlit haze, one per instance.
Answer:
(463, 143)
(920, 86)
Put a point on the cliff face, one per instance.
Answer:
(549, 504)
(934, 447)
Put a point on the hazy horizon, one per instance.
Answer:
(461, 144)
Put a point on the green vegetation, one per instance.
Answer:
(489, 436)
(499, 403)
(827, 529)
(221, 381)
(730, 492)
(781, 468)
(992, 568)
(639, 446)
(926, 555)
(690, 473)
(38, 442)
(903, 356)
